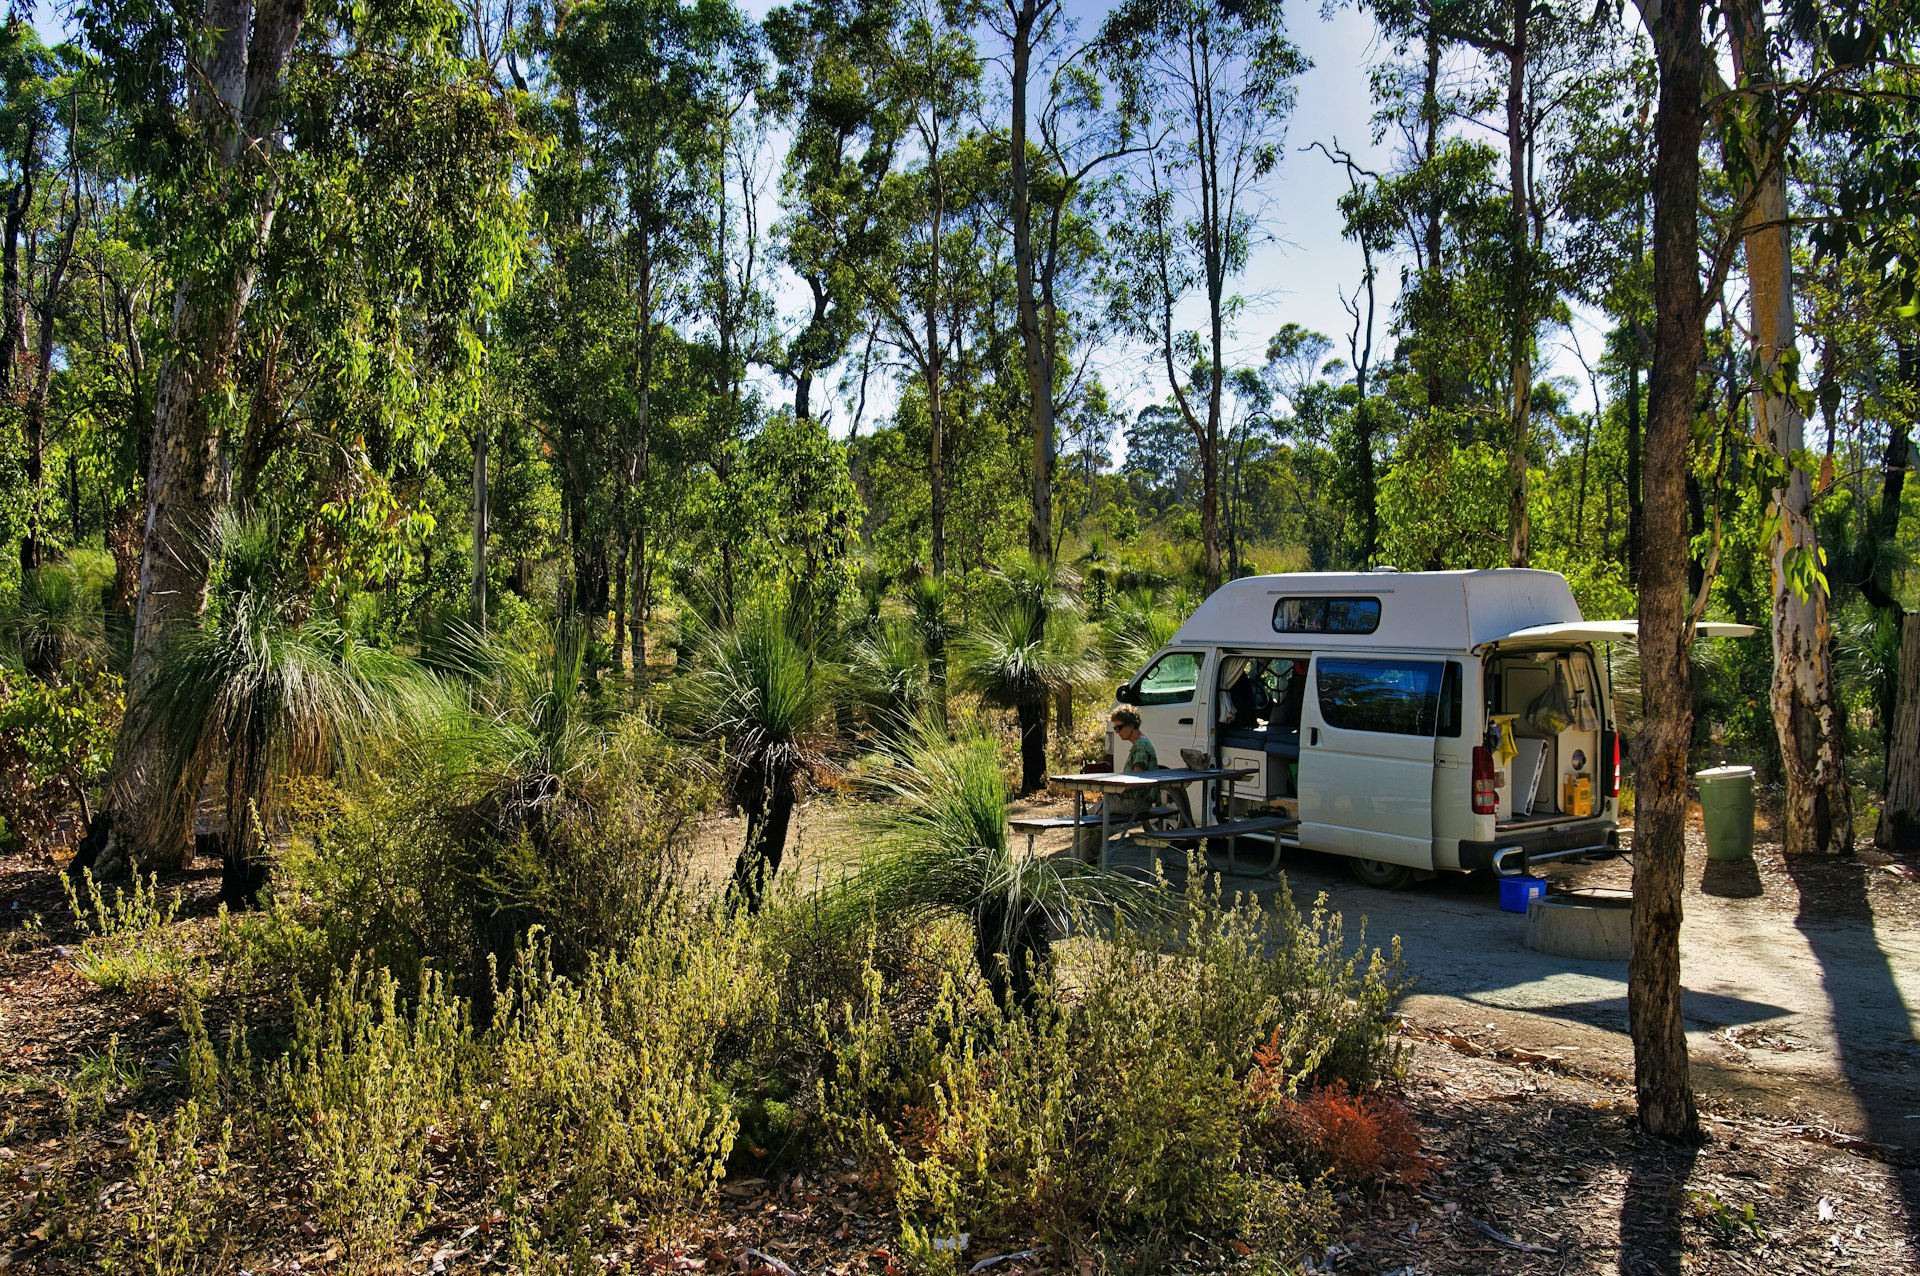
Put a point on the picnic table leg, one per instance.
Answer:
(1106, 819)
(1233, 843)
(1079, 814)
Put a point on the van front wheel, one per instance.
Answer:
(1387, 877)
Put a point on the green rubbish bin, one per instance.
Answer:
(1726, 806)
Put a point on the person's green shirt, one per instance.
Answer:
(1141, 756)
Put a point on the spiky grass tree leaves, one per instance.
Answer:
(759, 693)
(940, 845)
(1025, 650)
(256, 694)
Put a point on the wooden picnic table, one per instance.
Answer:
(1111, 783)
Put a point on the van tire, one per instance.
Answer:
(1383, 876)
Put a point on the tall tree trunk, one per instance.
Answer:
(1039, 367)
(234, 100)
(1661, 1082)
(642, 468)
(1635, 517)
(1519, 298)
(482, 521)
(936, 424)
(1031, 715)
(13, 333)
(1900, 813)
(1806, 719)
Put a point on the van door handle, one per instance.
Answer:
(1186, 722)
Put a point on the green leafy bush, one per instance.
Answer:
(371, 1086)
(1117, 1109)
(56, 743)
(133, 946)
(600, 1092)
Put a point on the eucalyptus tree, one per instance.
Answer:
(1662, 1087)
(846, 137)
(48, 118)
(240, 113)
(639, 84)
(1212, 86)
(1059, 137)
(933, 74)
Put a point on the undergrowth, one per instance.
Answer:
(1216, 1068)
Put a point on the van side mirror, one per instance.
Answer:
(1125, 694)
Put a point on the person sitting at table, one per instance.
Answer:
(1141, 756)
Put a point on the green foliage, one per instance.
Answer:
(132, 945)
(56, 745)
(371, 1087)
(181, 1182)
(602, 1094)
(940, 844)
(1121, 1113)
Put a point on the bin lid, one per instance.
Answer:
(1711, 774)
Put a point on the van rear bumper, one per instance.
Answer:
(1511, 854)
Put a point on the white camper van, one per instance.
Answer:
(1415, 721)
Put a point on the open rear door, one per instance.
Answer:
(1570, 632)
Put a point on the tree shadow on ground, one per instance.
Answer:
(1873, 1027)
(1653, 1213)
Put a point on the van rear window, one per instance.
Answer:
(1326, 615)
(1398, 697)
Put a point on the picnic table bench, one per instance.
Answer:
(1230, 832)
(1112, 783)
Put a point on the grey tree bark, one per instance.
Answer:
(235, 80)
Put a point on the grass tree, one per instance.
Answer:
(254, 695)
(888, 675)
(58, 616)
(1029, 647)
(940, 846)
(758, 691)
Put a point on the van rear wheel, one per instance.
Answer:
(1386, 877)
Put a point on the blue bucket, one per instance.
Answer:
(1515, 892)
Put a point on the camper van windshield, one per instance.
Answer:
(1326, 615)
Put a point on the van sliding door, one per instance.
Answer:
(1366, 757)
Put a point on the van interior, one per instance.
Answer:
(1257, 709)
(1550, 703)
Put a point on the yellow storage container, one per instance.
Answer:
(1576, 794)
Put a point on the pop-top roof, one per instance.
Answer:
(1448, 611)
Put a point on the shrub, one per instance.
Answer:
(601, 1092)
(421, 865)
(370, 1087)
(1116, 1109)
(1357, 1139)
(133, 946)
(56, 743)
(179, 1183)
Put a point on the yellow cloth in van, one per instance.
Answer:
(1506, 750)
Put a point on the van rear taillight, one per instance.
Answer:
(1610, 750)
(1486, 795)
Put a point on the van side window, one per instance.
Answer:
(1326, 615)
(1450, 701)
(1171, 679)
(1399, 697)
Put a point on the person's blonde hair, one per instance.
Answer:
(1126, 716)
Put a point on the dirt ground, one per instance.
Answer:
(1800, 982)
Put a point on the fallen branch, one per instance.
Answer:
(1499, 1237)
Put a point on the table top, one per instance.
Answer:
(1127, 781)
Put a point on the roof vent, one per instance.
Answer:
(1386, 569)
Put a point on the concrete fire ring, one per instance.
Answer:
(1592, 925)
